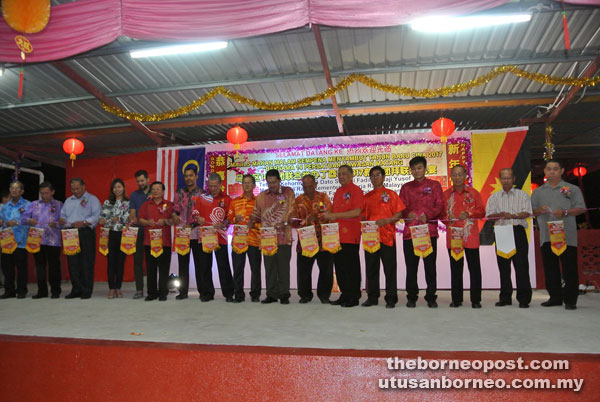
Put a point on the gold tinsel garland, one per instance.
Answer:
(548, 145)
(345, 83)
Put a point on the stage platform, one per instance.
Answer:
(313, 351)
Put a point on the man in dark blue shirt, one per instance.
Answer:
(136, 199)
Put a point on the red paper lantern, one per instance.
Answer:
(579, 171)
(534, 186)
(443, 128)
(237, 136)
(73, 147)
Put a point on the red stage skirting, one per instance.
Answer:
(53, 369)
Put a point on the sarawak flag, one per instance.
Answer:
(495, 150)
(171, 163)
(558, 244)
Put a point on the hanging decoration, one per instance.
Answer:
(345, 83)
(25, 16)
(534, 186)
(548, 145)
(443, 128)
(579, 171)
(237, 136)
(73, 147)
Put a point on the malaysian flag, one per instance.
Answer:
(172, 161)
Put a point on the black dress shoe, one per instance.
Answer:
(455, 304)
(162, 298)
(304, 300)
(150, 298)
(337, 302)
(570, 306)
(523, 305)
(86, 296)
(269, 300)
(411, 304)
(7, 295)
(229, 299)
(369, 303)
(255, 299)
(432, 304)
(205, 299)
(390, 305)
(181, 296)
(476, 305)
(21, 295)
(502, 303)
(350, 304)
(285, 300)
(72, 295)
(55, 296)
(325, 301)
(551, 303)
(39, 296)
(238, 300)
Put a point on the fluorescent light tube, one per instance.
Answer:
(177, 49)
(455, 24)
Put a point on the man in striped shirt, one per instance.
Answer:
(512, 206)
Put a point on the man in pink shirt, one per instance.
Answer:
(424, 204)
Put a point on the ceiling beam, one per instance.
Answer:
(307, 76)
(590, 71)
(323, 56)
(17, 155)
(158, 138)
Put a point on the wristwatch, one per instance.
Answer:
(566, 212)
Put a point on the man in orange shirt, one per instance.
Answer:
(212, 208)
(380, 205)
(239, 214)
(311, 205)
(347, 207)
(462, 203)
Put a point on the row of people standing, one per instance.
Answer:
(419, 202)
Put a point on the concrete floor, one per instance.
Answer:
(312, 325)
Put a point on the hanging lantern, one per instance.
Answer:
(25, 16)
(73, 147)
(534, 186)
(579, 171)
(443, 128)
(237, 136)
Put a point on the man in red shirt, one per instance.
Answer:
(461, 204)
(239, 214)
(380, 205)
(424, 204)
(157, 213)
(212, 208)
(347, 208)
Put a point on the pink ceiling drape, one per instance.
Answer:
(83, 25)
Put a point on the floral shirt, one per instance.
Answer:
(120, 209)
(183, 205)
(306, 207)
(12, 212)
(275, 208)
(45, 213)
(422, 197)
(469, 200)
(244, 207)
